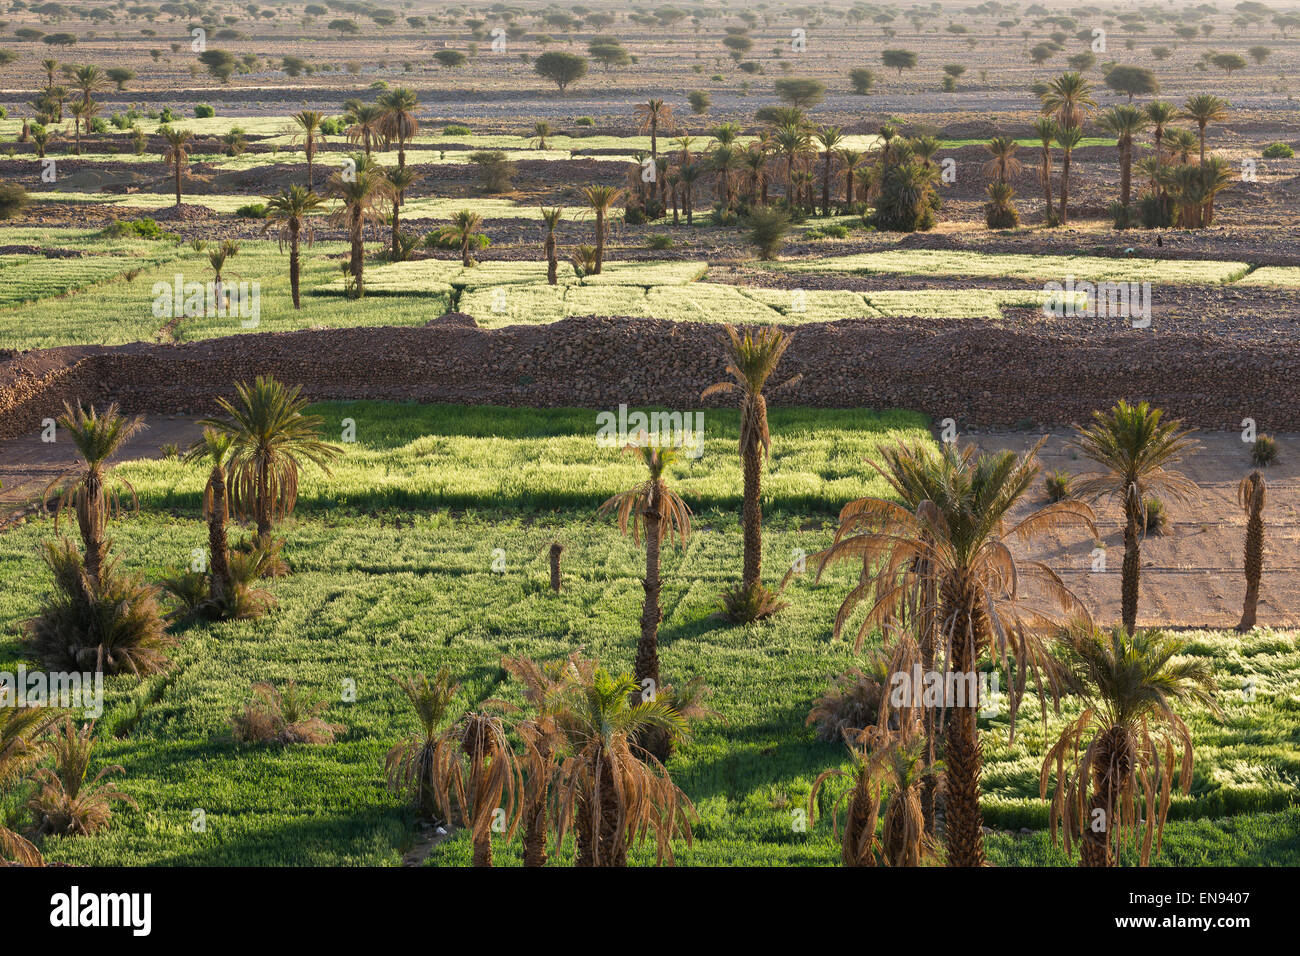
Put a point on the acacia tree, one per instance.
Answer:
(751, 361)
(1136, 450)
(1250, 496)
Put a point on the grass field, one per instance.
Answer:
(388, 580)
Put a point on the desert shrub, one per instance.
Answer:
(455, 129)
(1122, 216)
(1154, 213)
(204, 111)
(13, 200)
(495, 171)
(1264, 452)
(660, 241)
(853, 700)
(862, 80)
(135, 229)
(288, 716)
(699, 100)
(114, 626)
(168, 115)
(333, 126)
(584, 121)
(1058, 485)
(403, 244)
(1278, 151)
(252, 210)
(1157, 516)
(66, 803)
(767, 228)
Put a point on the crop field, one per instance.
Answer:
(386, 579)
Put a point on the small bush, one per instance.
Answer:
(13, 200)
(584, 260)
(290, 716)
(1058, 485)
(584, 121)
(455, 129)
(495, 171)
(66, 803)
(660, 241)
(1264, 452)
(204, 111)
(1278, 151)
(1157, 516)
(253, 210)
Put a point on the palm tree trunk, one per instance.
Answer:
(963, 752)
(90, 522)
(1065, 185)
(483, 849)
(397, 215)
(178, 183)
(535, 831)
(647, 649)
(220, 578)
(826, 184)
(610, 851)
(1047, 181)
(1132, 569)
(294, 265)
(263, 503)
(1254, 564)
(310, 149)
(600, 240)
(358, 253)
(752, 515)
(552, 265)
(1126, 174)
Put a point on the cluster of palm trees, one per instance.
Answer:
(940, 583)
(52, 102)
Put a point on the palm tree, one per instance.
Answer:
(651, 115)
(790, 141)
(751, 361)
(850, 158)
(465, 225)
(214, 448)
(1045, 129)
(754, 160)
(41, 139)
(398, 123)
(1160, 114)
(1179, 143)
(176, 153)
(49, 65)
(550, 219)
(689, 173)
(409, 764)
(476, 775)
(542, 130)
(1204, 109)
(610, 790)
(1250, 496)
(363, 194)
(1125, 122)
(665, 515)
(1069, 99)
(985, 600)
(307, 125)
(1067, 137)
(1120, 750)
(1137, 450)
(78, 111)
(600, 199)
(363, 129)
(97, 438)
(830, 138)
(725, 161)
(401, 179)
(271, 441)
(89, 80)
(290, 210)
(21, 747)
(217, 258)
(1003, 164)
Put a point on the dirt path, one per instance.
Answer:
(1191, 574)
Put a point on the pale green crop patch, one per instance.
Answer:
(425, 276)
(1273, 277)
(979, 265)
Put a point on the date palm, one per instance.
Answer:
(401, 179)
(1003, 163)
(97, 438)
(1250, 496)
(1045, 129)
(397, 123)
(690, 174)
(1067, 137)
(1125, 122)
(850, 160)
(214, 449)
(541, 131)
(1137, 450)
(463, 228)
(830, 138)
(725, 161)
(363, 125)
(476, 776)
(410, 764)
(986, 601)
(307, 128)
(22, 745)
(1068, 97)
(665, 516)
(610, 790)
(41, 139)
(754, 160)
(1204, 109)
(364, 192)
(176, 153)
(271, 441)
(652, 116)
(1178, 144)
(1115, 763)
(752, 359)
(791, 141)
(551, 217)
(600, 200)
(291, 212)
(88, 80)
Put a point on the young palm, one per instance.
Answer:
(1120, 750)
(1067, 137)
(754, 161)
(984, 600)
(610, 790)
(551, 217)
(751, 361)
(218, 256)
(21, 748)
(791, 141)
(1178, 144)
(600, 200)
(1137, 450)
(1159, 114)
(690, 174)
(66, 802)
(78, 111)
(176, 154)
(409, 764)
(542, 130)
(476, 776)
(664, 515)
(1069, 99)
(363, 193)
(363, 128)
(830, 138)
(726, 161)
(850, 159)
(1250, 496)
(214, 449)
(401, 179)
(652, 116)
(398, 123)
(465, 225)
(1125, 122)
(1003, 163)
(307, 127)
(291, 211)
(271, 441)
(97, 438)
(1204, 109)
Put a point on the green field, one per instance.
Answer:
(393, 572)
